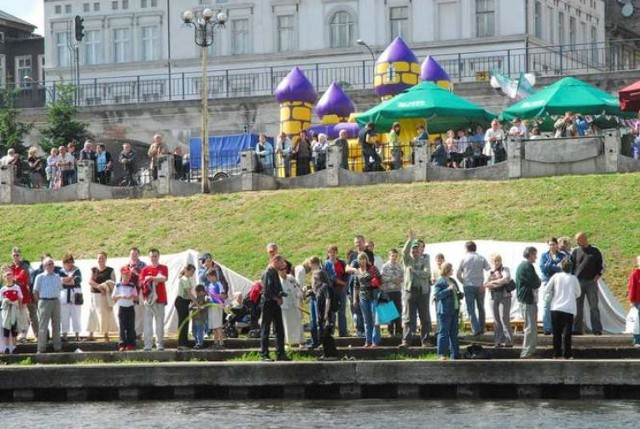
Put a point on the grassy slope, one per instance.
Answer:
(236, 227)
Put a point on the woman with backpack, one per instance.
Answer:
(366, 294)
(498, 282)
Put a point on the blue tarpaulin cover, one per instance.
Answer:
(224, 151)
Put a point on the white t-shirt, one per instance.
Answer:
(562, 291)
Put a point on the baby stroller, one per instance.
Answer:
(238, 320)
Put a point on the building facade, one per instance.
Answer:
(140, 50)
(21, 53)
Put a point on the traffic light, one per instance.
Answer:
(79, 28)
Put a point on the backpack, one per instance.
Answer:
(336, 297)
(255, 293)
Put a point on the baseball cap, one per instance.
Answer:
(125, 270)
(204, 256)
(415, 243)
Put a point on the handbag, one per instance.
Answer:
(78, 299)
(386, 313)
(511, 286)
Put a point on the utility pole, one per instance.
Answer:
(79, 33)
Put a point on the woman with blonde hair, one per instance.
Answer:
(101, 318)
(497, 282)
(448, 296)
(367, 289)
(35, 168)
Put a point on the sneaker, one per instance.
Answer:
(7, 351)
(197, 347)
(146, 349)
(636, 345)
(403, 345)
(597, 333)
(266, 359)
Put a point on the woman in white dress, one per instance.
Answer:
(291, 314)
(101, 318)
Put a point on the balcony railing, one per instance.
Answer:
(542, 60)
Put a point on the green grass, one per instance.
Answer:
(246, 357)
(404, 356)
(236, 227)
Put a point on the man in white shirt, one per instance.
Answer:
(519, 129)
(494, 143)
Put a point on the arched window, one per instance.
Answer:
(341, 27)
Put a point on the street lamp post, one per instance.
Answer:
(361, 42)
(204, 27)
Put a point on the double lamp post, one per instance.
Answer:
(204, 27)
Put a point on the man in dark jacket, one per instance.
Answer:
(588, 267)
(527, 284)
(271, 311)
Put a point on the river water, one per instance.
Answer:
(264, 414)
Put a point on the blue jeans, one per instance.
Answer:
(358, 321)
(546, 318)
(448, 335)
(198, 333)
(474, 296)
(313, 316)
(342, 315)
(371, 330)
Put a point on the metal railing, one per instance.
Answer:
(256, 81)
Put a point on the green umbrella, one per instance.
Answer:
(442, 109)
(568, 94)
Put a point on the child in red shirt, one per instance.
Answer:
(634, 294)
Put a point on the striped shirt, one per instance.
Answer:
(47, 285)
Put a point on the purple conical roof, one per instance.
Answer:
(296, 87)
(397, 51)
(432, 71)
(335, 102)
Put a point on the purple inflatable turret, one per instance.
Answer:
(397, 69)
(432, 71)
(296, 96)
(334, 105)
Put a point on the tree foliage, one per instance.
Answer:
(12, 131)
(61, 118)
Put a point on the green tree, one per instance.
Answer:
(12, 131)
(62, 124)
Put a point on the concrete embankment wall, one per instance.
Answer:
(547, 379)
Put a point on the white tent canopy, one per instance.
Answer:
(612, 314)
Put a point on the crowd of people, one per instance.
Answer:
(49, 298)
(59, 168)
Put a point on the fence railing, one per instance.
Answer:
(256, 81)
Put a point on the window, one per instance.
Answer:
(58, 9)
(550, 25)
(537, 20)
(240, 36)
(154, 3)
(398, 21)
(86, 7)
(125, 4)
(63, 55)
(143, 4)
(341, 27)
(92, 52)
(96, 7)
(583, 32)
(572, 33)
(594, 44)
(1, 36)
(485, 18)
(67, 8)
(286, 33)
(41, 69)
(23, 69)
(3, 71)
(121, 45)
(114, 5)
(150, 43)
(561, 32)
(204, 2)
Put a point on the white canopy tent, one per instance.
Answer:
(612, 314)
